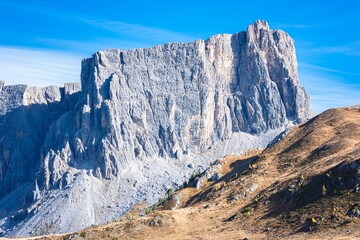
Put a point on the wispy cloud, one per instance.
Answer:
(325, 69)
(326, 89)
(104, 33)
(90, 46)
(42, 66)
(351, 49)
(325, 93)
(138, 31)
(293, 26)
(38, 67)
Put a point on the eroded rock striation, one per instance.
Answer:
(79, 157)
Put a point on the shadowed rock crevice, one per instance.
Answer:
(23, 131)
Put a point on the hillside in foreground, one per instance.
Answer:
(305, 186)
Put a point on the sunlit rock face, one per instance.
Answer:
(72, 157)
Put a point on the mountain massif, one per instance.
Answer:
(141, 122)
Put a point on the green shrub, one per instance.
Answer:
(169, 193)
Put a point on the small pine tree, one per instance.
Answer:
(169, 193)
(192, 178)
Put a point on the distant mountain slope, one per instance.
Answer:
(144, 120)
(305, 186)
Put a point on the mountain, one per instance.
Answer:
(143, 121)
(305, 186)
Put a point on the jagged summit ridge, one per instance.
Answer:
(226, 70)
(142, 117)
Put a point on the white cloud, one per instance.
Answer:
(37, 67)
(89, 47)
(46, 67)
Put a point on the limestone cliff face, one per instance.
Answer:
(177, 98)
(25, 116)
(142, 118)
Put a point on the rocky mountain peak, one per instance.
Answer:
(258, 25)
(142, 117)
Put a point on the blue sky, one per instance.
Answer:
(43, 42)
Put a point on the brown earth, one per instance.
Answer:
(305, 186)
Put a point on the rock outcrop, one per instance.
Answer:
(25, 116)
(141, 118)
